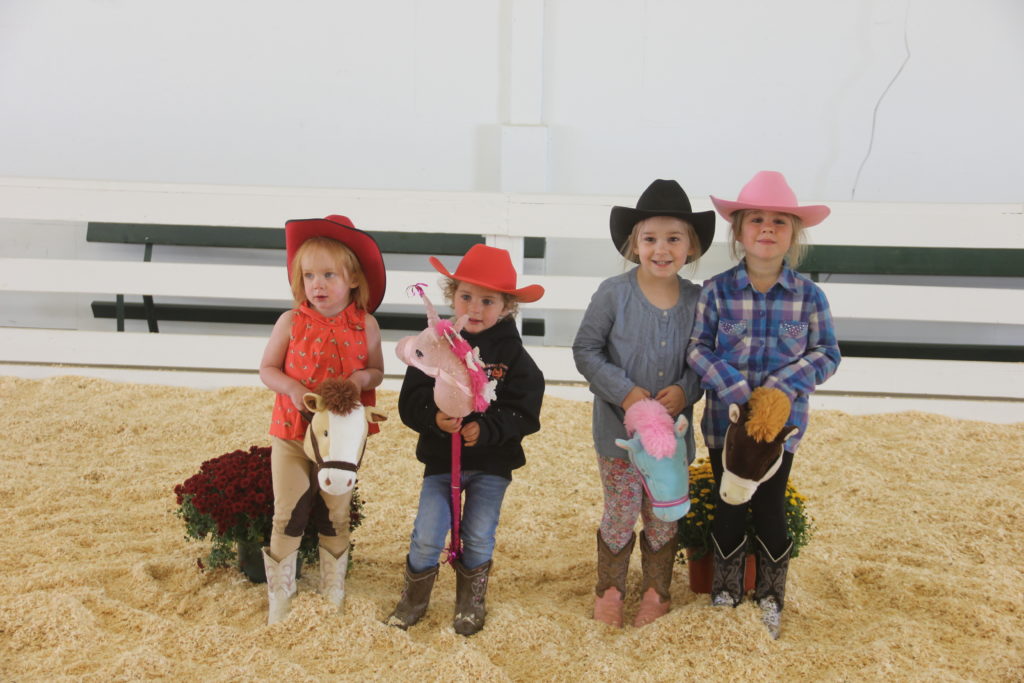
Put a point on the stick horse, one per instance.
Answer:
(754, 443)
(658, 449)
(461, 386)
(336, 437)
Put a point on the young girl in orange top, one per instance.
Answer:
(337, 278)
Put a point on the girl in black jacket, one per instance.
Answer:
(483, 288)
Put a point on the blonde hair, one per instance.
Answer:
(797, 246)
(343, 258)
(450, 285)
(631, 254)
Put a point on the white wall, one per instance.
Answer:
(566, 96)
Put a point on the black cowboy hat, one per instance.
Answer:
(662, 198)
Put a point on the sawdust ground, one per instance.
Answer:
(915, 572)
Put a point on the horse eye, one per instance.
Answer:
(325, 433)
(419, 354)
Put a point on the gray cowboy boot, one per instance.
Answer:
(332, 575)
(612, 569)
(770, 589)
(727, 576)
(415, 597)
(655, 600)
(280, 584)
(470, 592)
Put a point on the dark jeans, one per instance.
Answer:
(767, 509)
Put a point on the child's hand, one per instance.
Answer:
(635, 394)
(673, 398)
(470, 433)
(447, 423)
(296, 396)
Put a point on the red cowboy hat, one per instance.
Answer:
(492, 268)
(340, 228)
(769, 191)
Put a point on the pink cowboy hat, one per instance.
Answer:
(491, 268)
(768, 191)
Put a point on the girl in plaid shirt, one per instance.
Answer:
(760, 324)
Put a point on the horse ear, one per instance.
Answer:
(787, 434)
(624, 445)
(682, 424)
(374, 415)
(312, 402)
(734, 413)
(461, 322)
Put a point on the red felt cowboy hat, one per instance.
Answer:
(490, 267)
(662, 198)
(768, 191)
(340, 228)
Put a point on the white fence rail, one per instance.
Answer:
(32, 263)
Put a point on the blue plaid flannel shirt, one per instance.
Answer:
(743, 339)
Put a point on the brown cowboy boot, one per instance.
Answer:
(611, 581)
(415, 597)
(770, 588)
(727, 575)
(470, 592)
(654, 589)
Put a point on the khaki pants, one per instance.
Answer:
(297, 495)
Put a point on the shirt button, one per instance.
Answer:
(660, 373)
(663, 343)
(664, 314)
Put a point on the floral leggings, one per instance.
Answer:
(624, 501)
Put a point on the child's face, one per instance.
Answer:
(485, 307)
(663, 246)
(766, 236)
(328, 285)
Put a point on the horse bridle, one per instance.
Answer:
(329, 464)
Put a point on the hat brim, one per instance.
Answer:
(809, 215)
(623, 218)
(361, 243)
(526, 295)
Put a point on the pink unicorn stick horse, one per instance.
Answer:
(460, 386)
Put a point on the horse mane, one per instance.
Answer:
(465, 354)
(340, 395)
(652, 421)
(769, 410)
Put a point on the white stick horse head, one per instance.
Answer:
(337, 431)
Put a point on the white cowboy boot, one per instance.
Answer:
(280, 584)
(332, 576)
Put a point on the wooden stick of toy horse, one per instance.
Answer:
(754, 443)
(336, 437)
(460, 384)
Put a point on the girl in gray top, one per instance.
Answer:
(631, 345)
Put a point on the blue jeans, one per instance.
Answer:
(483, 494)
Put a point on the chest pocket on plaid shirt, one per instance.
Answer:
(733, 340)
(793, 337)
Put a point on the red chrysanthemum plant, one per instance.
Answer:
(230, 500)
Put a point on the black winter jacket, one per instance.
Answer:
(514, 414)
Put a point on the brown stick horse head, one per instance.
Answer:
(754, 444)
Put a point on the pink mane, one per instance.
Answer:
(464, 352)
(652, 421)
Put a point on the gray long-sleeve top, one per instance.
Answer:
(625, 341)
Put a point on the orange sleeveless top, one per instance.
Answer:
(320, 348)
